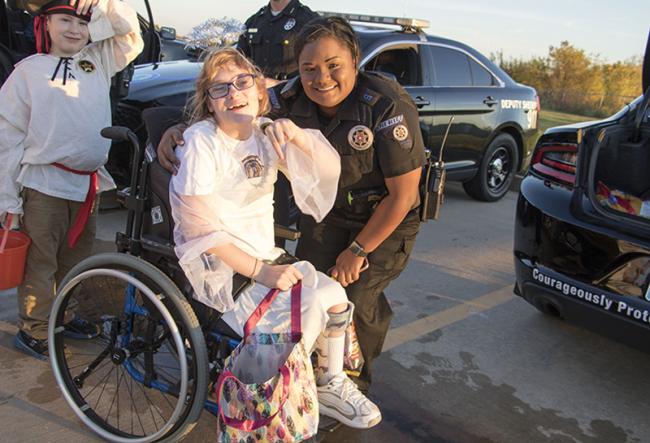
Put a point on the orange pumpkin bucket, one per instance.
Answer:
(13, 255)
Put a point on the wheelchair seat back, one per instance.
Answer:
(157, 223)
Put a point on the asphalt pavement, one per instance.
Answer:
(465, 361)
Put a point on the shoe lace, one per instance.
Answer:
(350, 392)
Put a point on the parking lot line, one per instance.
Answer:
(418, 328)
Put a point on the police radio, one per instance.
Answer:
(433, 185)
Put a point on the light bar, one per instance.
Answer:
(415, 23)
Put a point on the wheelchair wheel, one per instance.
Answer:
(143, 376)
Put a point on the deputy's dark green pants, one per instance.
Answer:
(321, 243)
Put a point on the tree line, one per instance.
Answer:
(569, 80)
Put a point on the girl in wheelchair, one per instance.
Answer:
(222, 205)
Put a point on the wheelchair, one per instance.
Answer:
(146, 375)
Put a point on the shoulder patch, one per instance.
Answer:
(370, 97)
(390, 122)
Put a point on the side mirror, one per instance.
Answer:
(167, 33)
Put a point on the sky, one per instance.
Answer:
(611, 30)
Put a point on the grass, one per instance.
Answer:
(548, 119)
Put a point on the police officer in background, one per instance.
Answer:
(270, 35)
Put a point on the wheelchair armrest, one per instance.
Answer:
(286, 233)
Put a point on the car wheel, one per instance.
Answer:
(497, 170)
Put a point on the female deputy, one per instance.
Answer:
(373, 124)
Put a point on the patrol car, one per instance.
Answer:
(495, 122)
(582, 226)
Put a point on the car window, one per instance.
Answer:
(480, 75)
(401, 62)
(451, 67)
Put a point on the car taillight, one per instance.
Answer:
(557, 162)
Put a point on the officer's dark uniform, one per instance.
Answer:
(376, 132)
(268, 39)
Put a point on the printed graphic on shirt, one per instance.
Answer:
(360, 137)
(253, 166)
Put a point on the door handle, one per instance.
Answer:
(421, 101)
(490, 101)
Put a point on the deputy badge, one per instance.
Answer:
(401, 133)
(290, 24)
(360, 137)
(253, 166)
(86, 66)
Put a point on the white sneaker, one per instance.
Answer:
(342, 400)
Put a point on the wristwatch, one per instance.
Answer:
(356, 248)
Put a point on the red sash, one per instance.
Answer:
(86, 208)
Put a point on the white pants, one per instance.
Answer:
(319, 293)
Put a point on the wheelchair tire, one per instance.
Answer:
(149, 351)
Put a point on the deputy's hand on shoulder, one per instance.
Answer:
(282, 131)
(170, 139)
(282, 277)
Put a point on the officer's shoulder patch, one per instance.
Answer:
(369, 96)
(290, 88)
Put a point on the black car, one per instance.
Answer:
(582, 229)
(495, 118)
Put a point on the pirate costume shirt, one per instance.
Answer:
(52, 110)
(223, 193)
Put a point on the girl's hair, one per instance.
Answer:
(213, 61)
(335, 27)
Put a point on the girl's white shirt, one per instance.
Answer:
(222, 194)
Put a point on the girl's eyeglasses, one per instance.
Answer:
(241, 82)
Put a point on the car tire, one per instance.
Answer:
(497, 170)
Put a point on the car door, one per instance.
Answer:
(464, 88)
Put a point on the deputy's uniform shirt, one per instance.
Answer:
(375, 131)
(269, 40)
(52, 109)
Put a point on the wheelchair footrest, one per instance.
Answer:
(327, 424)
